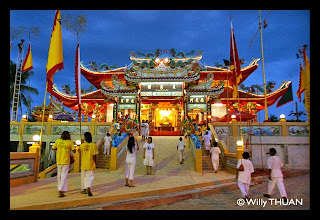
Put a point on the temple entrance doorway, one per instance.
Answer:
(164, 117)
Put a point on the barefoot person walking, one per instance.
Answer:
(130, 160)
(215, 151)
(245, 175)
(275, 174)
(88, 152)
(63, 146)
(180, 146)
(148, 155)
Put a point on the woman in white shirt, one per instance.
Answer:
(245, 176)
(107, 144)
(207, 142)
(148, 155)
(130, 160)
(180, 146)
(215, 151)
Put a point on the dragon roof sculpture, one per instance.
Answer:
(164, 65)
(118, 88)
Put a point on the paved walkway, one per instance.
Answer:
(168, 176)
(296, 187)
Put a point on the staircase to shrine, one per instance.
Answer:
(103, 161)
(207, 162)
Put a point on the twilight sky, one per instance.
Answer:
(111, 35)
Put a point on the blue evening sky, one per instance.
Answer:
(112, 34)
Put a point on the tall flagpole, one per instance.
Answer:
(236, 76)
(43, 110)
(263, 71)
(78, 84)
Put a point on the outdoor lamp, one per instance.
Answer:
(240, 143)
(24, 118)
(36, 138)
(233, 118)
(282, 118)
(34, 147)
(78, 142)
(50, 117)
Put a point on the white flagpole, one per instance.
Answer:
(78, 82)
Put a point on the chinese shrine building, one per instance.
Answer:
(165, 87)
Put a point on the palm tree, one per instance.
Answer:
(25, 90)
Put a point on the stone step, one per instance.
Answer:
(103, 161)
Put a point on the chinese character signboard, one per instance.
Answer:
(197, 102)
(115, 112)
(127, 102)
(162, 89)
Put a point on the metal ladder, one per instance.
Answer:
(17, 82)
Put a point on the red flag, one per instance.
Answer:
(78, 84)
(234, 64)
(301, 83)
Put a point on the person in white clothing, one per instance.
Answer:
(131, 148)
(207, 142)
(215, 151)
(107, 144)
(143, 130)
(147, 128)
(275, 174)
(148, 155)
(180, 146)
(245, 176)
(209, 132)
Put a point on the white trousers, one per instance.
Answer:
(148, 161)
(87, 177)
(181, 154)
(244, 188)
(62, 175)
(215, 164)
(106, 149)
(279, 182)
(130, 167)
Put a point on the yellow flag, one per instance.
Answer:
(55, 55)
(27, 64)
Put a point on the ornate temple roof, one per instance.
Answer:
(71, 100)
(224, 73)
(259, 99)
(164, 66)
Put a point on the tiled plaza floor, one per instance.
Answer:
(168, 175)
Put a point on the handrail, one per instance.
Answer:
(118, 152)
(42, 175)
(30, 175)
(221, 144)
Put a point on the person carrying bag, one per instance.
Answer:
(245, 169)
